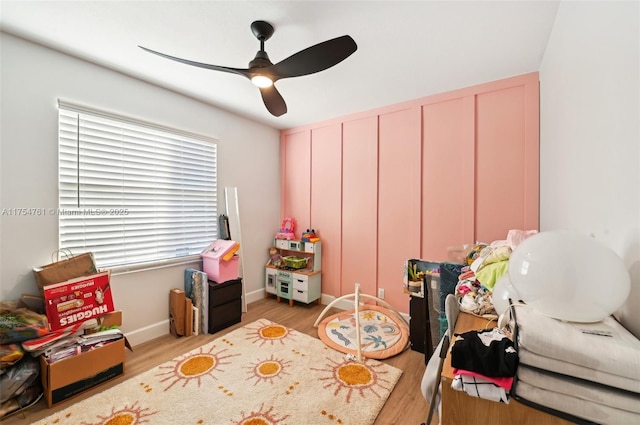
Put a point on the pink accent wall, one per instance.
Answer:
(359, 205)
(416, 178)
(326, 201)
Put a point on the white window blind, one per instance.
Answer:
(133, 192)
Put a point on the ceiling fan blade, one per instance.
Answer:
(273, 101)
(315, 58)
(243, 72)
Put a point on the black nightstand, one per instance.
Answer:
(225, 304)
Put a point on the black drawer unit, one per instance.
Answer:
(225, 304)
(419, 326)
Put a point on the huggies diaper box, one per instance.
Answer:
(77, 300)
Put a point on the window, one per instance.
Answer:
(133, 193)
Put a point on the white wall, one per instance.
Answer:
(33, 78)
(590, 131)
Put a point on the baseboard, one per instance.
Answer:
(148, 333)
(342, 305)
(254, 295)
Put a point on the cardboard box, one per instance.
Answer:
(77, 300)
(69, 377)
(176, 312)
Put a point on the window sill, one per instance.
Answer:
(136, 268)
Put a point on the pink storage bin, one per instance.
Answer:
(220, 248)
(219, 270)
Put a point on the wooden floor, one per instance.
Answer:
(405, 406)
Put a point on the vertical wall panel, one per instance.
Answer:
(398, 200)
(359, 205)
(447, 177)
(500, 162)
(531, 142)
(297, 179)
(326, 201)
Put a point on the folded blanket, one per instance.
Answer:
(595, 412)
(580, 389)
(605, 346)
(570, 369)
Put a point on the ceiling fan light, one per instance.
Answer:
(261, 81)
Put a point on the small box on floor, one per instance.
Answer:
(67, 378)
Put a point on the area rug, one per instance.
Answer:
(261, 374)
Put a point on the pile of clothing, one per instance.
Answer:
(586, 372)
(19, 373)
(474, 296)
(485, 265)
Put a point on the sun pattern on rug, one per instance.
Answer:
(127, 415)
(351, 376)
(261, 417)
(194, 366)
(269, 332)
(268, 369)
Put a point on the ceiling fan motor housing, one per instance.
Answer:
(260, 61)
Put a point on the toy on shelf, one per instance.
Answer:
(275, 259)
(309, 236)
(286, 229)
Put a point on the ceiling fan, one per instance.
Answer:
(264, 74)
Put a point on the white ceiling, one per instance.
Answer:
(406, 49)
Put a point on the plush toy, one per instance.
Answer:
(275, 259)
(309, 236)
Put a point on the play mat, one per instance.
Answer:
(372, 331)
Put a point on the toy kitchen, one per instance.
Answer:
(298, 277)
